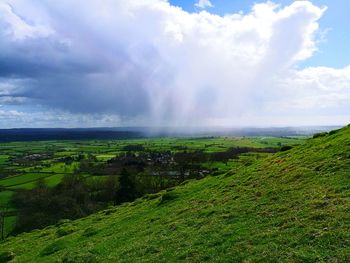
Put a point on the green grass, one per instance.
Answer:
(61, 168)
(54, 180)
(243, 160)
(104, 150)
(3, 159)
(10, 222)
(5, 196)
(104, 157)
(51, 180)
(19, 180)
(54, 168)
(293, 206)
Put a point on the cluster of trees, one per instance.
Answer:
(130, 176)
(73, 198)
(155, 170)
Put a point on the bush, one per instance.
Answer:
(63, 221)
(333, 132)
(7, 256)
(320, 134)
(53, 248)
(167, 197)
(63, 231)
(286, 148)
(90, 231)
(79, 258)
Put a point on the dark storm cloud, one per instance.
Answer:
(90, 93)
(76, 76)
(76, 87)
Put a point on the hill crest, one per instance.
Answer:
(292, 206)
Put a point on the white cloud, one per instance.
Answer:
(203, 4)
(148, 60)
(18, 28)
(314, 89)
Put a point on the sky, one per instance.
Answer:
(174, 63)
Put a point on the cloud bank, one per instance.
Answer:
(147, 62)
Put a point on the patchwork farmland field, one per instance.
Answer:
(24, 164)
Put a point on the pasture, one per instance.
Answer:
(22, 164)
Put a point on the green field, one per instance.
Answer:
(292, 206)
(22, 164)
(30, 171)
(4, 198)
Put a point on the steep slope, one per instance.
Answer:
(293, 206)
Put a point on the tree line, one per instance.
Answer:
(129, 176)
(73, 198)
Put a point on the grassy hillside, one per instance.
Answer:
(23, 164)
(293, 206)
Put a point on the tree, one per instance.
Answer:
(127, 190)
(40, 184)
(111, 188)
